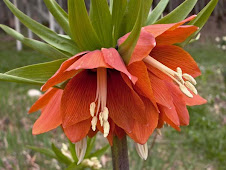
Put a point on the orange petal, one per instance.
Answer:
(178, 35)
(50, 117)
(123, 103)
(78, 131)
(160, 91)
(142, 132)
(196, 100)
(91, 60)
(43, 100)
(112, 57)
(173, 57)
(145, 44)
(92, 133)
(60, 76)
(78, 94)
(158, 29)
(143, 85)
(179, 104)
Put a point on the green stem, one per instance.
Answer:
(119, 151)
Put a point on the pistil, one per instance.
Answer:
(184, 81)
(101, 100)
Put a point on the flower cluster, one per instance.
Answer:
(221, 42)
(103, 94)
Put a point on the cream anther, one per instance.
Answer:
(142, 150)
(189, 85)
(94, 123)
(92, 108)
(106, 128)
(105, 114)
(189, 78)
(185, 91)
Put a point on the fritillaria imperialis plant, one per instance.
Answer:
(120, 71)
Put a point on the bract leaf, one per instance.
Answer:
(43, 151)
(39, 46)
(60, 156)
(178, 14)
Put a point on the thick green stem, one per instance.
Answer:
(119, 151)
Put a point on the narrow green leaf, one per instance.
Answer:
(43, 32)
(102, 22)
(59, 14)
(201, 19)
(39, 46)
(43, 151)
(60, 156)
(82, 30)
(178, 14)
(10, 78)
(72, 150)
(100, 152)
(147, 8)
(117, 18)
(37, 72)
(126, 49)
(156, 13)
(131, 15)
(74, 166)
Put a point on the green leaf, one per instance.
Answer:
(156, 13)
(43, 32)
(60, 156)
(147, 7)
(131, 15)
(201, 19)
(82, 30)
(102, 22)
(59, 14)
(39, 46)
(178, 14)
(127, 47)
(74, 166)
(100, 152)
(10, 78)
(43, 151)
(117, 18)
(33, 74)
(72, 150)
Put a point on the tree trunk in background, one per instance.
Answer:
(28, 11)
(17, 27)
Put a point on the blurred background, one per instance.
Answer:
(201, 145)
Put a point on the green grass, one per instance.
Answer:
(201, 145)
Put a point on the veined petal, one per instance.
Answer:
(91, 60)
(112, 57)
(143, 85)
(50, 117)
(177, 35)
(142, 132)
(145, 44)
(78, 131)
(173, 57)
(160, 91)
(60, 76)
(179, 104)
(196, 100)
(124, 104)
(158, 29)
(78, 94)
(43, 100)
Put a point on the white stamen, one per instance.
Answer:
(106, 128)
(189, 78)
(142, 150)
(80, 149)
(105, 114)
(189, 85)
(185, 90)
(101, 118)
(94, 123)
(176, 76)
(92, 108)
